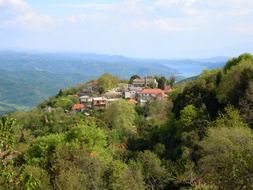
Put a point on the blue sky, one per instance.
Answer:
(136, 28)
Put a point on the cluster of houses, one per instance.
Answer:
(139, 92)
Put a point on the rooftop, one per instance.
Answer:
(152, 91)
(78, 106)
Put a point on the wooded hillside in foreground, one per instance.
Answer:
(200, 137)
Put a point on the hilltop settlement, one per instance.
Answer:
(98, 94)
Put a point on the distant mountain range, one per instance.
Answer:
(27, 78)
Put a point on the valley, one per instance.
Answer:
(28, 78)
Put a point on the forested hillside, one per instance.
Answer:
(199, 137)
(24, 89)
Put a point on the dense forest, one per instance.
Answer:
(200, 137)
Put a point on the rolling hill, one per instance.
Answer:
(27, 78)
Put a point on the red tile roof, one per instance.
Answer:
(78, 106)
(152, 91)
(155, 91)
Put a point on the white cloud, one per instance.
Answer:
(173, 3)
(86, 18)
(170, 25)
(163, 15)
(19, 13)
(137, 14)
(165, 25)
(89, 6)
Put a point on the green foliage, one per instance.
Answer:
(201, 93)
(41, 123)
(120, 117)
(71, 178)
(157, 111)
(198, 139)
(188, 115)
(92, 138)
(227, 158)
(162, 81)
(236, 61)
(64, 102)
(152, 84)
(122, 177)
(43, 148)
(132, 78)
(8, 177)
(235, 82)
(107, 82)
(231, 118)
(182, 173)
(246, 105)
(75, 168)
(152, 170)
(172, 81)
(192, 128)
(7, 143)
(33, 178)
(6, 134)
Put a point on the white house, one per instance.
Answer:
(129, 94)
(147, 95)
(85, 99)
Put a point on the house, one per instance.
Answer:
(145, 82)
(129, 94)
(113, 94)
(131, 91)
(87, 100)
(133, 88)
(92, 85)
(85, 92)
(99, 103)
(147, 95)
(89, 89)
(78, 107)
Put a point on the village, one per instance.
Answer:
(138, 92)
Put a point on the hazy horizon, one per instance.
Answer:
(158, 29)
(36, 51)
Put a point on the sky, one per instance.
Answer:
(137, 28)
